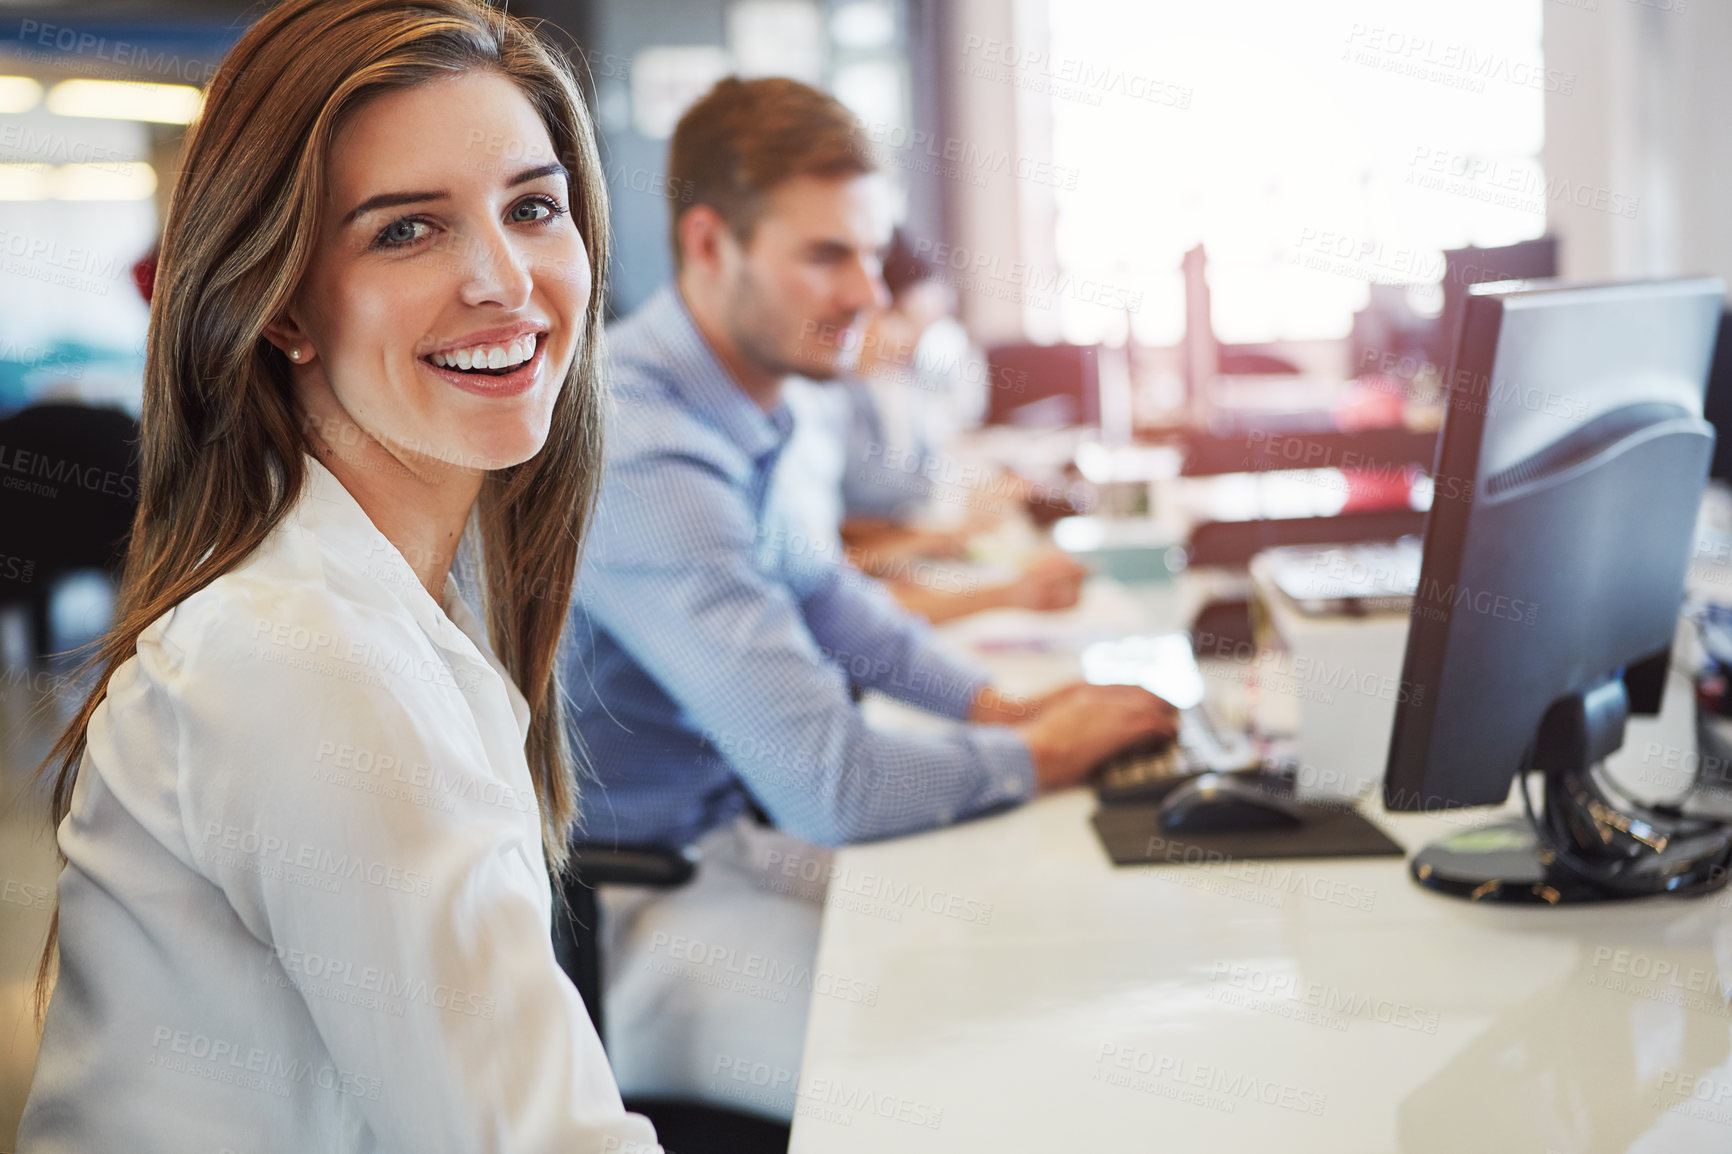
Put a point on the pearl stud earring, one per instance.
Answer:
(295, 354)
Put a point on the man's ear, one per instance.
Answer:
(702, 233)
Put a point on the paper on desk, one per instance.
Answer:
(1164, 665)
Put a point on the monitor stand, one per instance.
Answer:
(1586, 843)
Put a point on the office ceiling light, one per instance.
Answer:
(18, 94)
(130, 181)
(24, 181)
(119, 100)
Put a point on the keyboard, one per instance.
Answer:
(1148, 773)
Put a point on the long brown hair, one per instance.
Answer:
(222, 429)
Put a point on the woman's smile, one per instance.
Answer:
(498, 363)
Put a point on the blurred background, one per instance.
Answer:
(1204, 258)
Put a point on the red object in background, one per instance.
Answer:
(1375, 403)
(144, 274)
(1377, 489)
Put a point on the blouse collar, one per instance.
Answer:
(330, 513)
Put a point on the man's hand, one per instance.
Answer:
(994, 708)
(944, 544)
(1075, 729)
(1054, 581)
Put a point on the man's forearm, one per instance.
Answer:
(939, 606)
(994, 708)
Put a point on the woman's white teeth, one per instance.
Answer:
(489, 356)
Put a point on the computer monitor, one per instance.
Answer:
(1718, 406)
(1465, 267)
(1569, 472)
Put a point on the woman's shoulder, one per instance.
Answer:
(237, 674)
(276, 677)
(276, 622)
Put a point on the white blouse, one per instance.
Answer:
(305, 906)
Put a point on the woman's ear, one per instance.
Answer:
(286, 333)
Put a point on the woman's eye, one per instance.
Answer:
(535, 209)
(401, 232)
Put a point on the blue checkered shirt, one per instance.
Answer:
(713, 642)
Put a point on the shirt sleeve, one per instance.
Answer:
(354, 822)
(880, 478)
(670, 573)
(881, 645)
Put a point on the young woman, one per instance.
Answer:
(308, 810)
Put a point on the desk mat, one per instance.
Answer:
(1132, 835)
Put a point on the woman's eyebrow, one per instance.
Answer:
(397, 199)
(528, 174)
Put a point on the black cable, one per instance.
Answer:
(1603, 876)
(1701, 825)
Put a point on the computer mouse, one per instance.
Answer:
(1220, 803)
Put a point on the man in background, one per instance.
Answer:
(865, 451)
(713, 663)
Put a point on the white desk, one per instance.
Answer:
(1027, 996)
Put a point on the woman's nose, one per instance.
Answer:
(494, 272)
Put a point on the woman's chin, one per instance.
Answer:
(507, 448)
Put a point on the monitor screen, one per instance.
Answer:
(1569, 472)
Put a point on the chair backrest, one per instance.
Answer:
(1063, 380)
(69, 477)
(576, 924)
(689, 1126)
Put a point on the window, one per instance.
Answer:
(1313, 149)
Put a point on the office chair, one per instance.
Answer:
(1063, 380)
(70, 490)
(1249, 361)
(683, 1127)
